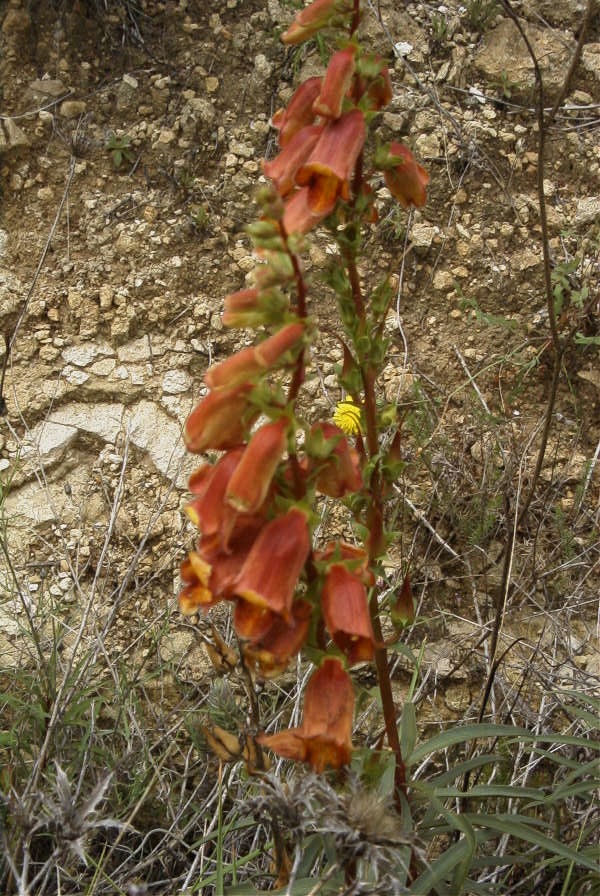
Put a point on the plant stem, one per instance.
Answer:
(376, 538)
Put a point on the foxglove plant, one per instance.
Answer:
(254, 505)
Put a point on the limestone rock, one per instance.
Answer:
(49, 441)
(11, 136)
(72, 108)
(155, 433)
(11, 298)
(588, 210)
(590, 58)
(566, 14)
(103, 419)
(42, 88)
(503, 55)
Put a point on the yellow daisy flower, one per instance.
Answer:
(347, 417)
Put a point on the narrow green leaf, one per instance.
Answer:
(464, 734)
(440, 869)
(506, 824)
(301, 887)
(457, 771)
(408, 728)
(486, 791)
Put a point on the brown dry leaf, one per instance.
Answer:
(223, 657)
(225, 745)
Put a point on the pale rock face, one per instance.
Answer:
(590, 57)
(503, 56)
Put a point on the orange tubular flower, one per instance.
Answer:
(250, 482)
(330, 166)
(315, 16)
(299, 111)
(407, 180)
(252, 622)
(346, 613)
(270, 574)
(208, 484)
(325, 736)
(221, 420)
(380, 91)
(402, 609)
(298, 217)
(252, 308)
(209, 573)
(336, 83)
(340, 473)
(354, 558)
(283, 168)
(240, 305)
(254, 360)
(195, 594)
(272, 652)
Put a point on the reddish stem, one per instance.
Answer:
(376, 539)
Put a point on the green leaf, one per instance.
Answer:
(508, 824)
(580, 339)
(464, 734)
(408, 728)
(440, 869)
(8, 739)
(312, 848)
(461, 768)
(487, 791)
(301, 887)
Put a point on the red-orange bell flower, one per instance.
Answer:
(195, 594)
(256, 359)
(270, 573)
(298, 217)
(280, 642)
(208, 484)
(209, 573)
(299, 111)
(251, 621)
(324, 739)
(336, 83)
(283, 168)
(340, 472)
(346, 614)
(406, 180)
(250, 482)
(330, 166)
(312, 18)
(221, 420)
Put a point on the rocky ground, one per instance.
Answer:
(130, 148)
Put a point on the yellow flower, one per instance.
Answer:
(347, 417)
